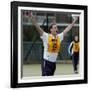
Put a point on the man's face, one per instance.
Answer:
(76, 38)
(54, 29)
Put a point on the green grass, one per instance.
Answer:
(35, 69)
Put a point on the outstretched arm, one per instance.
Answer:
(38, 28)
(68, 28)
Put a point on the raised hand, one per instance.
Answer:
(28, 13)
(75, 17)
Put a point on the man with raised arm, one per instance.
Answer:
(51, 43)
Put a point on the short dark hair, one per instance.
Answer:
(51, 25)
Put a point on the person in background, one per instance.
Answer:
(74, 52)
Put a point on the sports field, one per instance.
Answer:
(35, 69)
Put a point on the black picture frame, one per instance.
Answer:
(14, 44)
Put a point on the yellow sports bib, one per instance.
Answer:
(76, 47)
(53, 44)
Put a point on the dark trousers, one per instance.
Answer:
(75, 59)
(48, 68)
